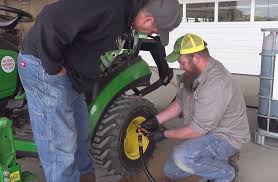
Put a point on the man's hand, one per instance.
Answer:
(150, 124)
(157, 135)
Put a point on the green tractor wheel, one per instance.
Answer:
(115, 143)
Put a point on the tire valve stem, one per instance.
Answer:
(140, 141)
(140, 137)
(142, 130)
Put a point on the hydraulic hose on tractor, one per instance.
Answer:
(140, 141)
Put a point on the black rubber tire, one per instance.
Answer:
(108, 141)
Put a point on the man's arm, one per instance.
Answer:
(182, 133)
(158, 53)
(172, 111)
(209, 111)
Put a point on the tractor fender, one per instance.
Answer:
(136, 74)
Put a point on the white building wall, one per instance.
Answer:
(236, 44)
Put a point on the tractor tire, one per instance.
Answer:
(115, 145)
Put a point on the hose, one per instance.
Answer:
(140, 141)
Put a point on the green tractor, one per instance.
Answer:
(116, 105)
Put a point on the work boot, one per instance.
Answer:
(233, 161)
(90, 177)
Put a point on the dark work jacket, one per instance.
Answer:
(74, 33)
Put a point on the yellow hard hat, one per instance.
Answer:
(186, 44)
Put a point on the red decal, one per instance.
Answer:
(22, 63)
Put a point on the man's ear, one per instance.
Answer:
(196, 58)
(149, 19)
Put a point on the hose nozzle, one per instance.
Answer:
(140, 137)
(142, 130)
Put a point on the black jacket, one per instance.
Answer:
(74, 33)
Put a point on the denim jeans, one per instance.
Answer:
(205, 156)
(59, 119)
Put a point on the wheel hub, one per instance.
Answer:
(131, 145)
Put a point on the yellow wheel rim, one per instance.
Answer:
(131, 145)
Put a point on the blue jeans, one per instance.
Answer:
(205, 156)
(59, 119)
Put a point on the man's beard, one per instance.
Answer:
(188, 78)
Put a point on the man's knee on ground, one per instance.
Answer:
(167, 169)
(171, 170)
(183, 161)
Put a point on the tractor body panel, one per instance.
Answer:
(25, 146)
(8, 165)
(119, 83)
